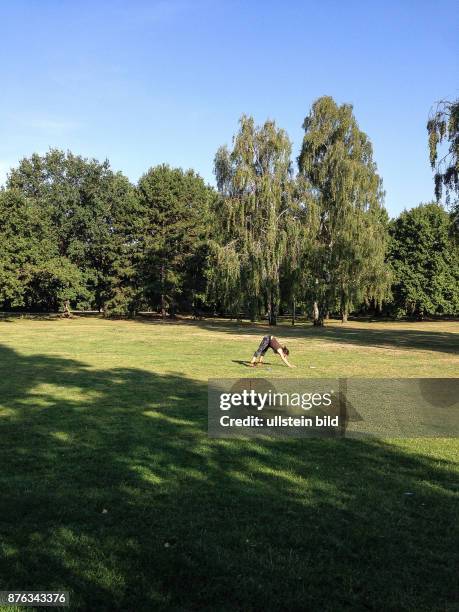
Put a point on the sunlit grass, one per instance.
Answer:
(200, 350)
(111, 488)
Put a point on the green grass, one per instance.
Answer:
(110, 487)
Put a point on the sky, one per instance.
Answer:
(149, 82)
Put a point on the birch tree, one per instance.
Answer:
(443, 130)
(350, 239)
(255, 221)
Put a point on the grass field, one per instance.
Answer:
(110, 487)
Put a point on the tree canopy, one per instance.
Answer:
(443, 129)
(175, 209)
(255, 217)
(425, 262)
(82, 202)
(269, 241)
(349, 232)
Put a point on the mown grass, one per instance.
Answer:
(110, 487)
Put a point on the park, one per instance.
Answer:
(116, 492)
(229, 306)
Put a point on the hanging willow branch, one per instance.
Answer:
(254, 215)
(350, 242)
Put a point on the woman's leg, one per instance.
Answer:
(261, 350)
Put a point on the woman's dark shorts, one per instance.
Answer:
(264, 346)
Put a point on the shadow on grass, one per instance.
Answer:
(417, 339)
(110, 488)
(241, 362)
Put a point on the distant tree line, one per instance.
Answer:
(277, 236)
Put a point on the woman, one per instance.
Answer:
(275, 345)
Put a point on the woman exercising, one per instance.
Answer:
(275, 345)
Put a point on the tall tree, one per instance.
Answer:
(443, 129)
(33, 275)
(175, 211)
(81, 197)
(254, 218)
(296, 268)
(350, 232)
(122, 292)
(425, 262)
(84, 200)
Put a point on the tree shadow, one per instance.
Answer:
(421, 340)
(111, 489)
(403, 338)
(30, 316)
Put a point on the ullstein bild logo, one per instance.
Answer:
(333, 407)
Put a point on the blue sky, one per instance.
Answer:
(144, 83)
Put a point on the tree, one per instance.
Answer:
(296, 268)
(255, 219)
(443, 127)
(51, 283)
(122, 293)
(32, 273)
(175, 211)
(350, 235)
(425, 262)
(16, 246)
(81, 198)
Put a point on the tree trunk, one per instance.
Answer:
(272, 312)
(319, 314)
(67, 313)
(163, 299)
(293, 311)
(315, 313)
(253, 311)
(344, 307)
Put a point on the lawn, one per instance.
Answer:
(111, 489)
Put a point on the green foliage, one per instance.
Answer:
(121, 291)
(73, 230)
(18, 246)
(175, 224)
(255, 220)
(89, 212)
(52, 282)
(32, 274)
(349, 233)
(425, 262)
(442, 128)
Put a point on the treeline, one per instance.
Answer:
(276, 236)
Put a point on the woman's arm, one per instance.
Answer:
(284, 358)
